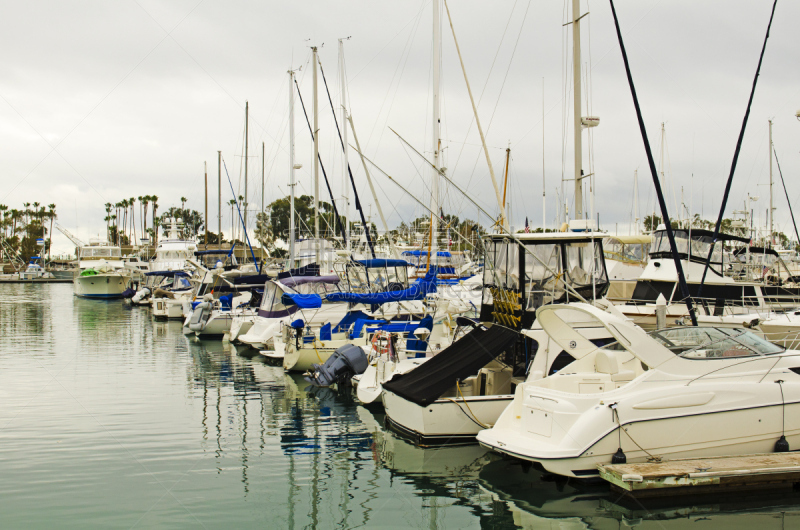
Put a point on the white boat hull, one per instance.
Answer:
(102, 286)
(446, 420)
(168, 309)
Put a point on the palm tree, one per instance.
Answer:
(145, 200)
(232, 202)
(183, 203)
(52, 215)
(131, 202)
(141, 214)
(154, 198)
(4, 209)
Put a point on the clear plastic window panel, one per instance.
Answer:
(543, 275)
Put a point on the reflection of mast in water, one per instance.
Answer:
(245, 453)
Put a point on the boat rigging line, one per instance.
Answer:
(321, 165)
(736, 155)
(667, 223)
(238, 209)
(349, 171)
(786, 193)
(508, 233)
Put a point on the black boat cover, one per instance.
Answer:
(426, 383)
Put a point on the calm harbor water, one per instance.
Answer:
(109, 419)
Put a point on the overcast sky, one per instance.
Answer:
(101, 101)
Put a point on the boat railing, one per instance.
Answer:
(713, 306)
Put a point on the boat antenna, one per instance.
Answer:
(246, 237)
(349, 171)
(657, 184)
(786, 193)
(736, 155)
(324, 173)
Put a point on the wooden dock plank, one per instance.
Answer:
(704, 475)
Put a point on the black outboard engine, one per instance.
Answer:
(346, 361)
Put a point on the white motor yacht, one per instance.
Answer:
(688, 392)
(739, 285)
(173, 251)
(101, 272)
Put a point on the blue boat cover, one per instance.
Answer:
(303, 301)
(418, 346)
(416, 291)
(358, 327)
(168, 274)
(348, 319)
(325, 332)
(226, 301)
(383, 262)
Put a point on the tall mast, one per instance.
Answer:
(636, 200)
(219, 199)
(316, 159)
(246, 144)
(771, 209)
(205, 222)
(544, 199)
(262, 177)
(344, 140)
(291, 168)
(576, 80)
(437, 46)
(500, 202)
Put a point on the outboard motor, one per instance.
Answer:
(346, 361)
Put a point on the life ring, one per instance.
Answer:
(376, 341)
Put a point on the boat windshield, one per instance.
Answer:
(714, 343)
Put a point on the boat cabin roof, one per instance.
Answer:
(550, 237)
(630, 240)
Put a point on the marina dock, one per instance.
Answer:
(38, 280)
(769, 471)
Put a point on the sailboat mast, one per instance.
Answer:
(544, 188)
(316, 159)
(246, 158)
(344, 140)
(437, 144)
(771, 209)
(636, 200)
(262, 177)
(576, 80)
(291, 169)
(205, 222)
(219, 199)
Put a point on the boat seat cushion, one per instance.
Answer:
(605, 362)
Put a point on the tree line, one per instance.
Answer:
(22, 227)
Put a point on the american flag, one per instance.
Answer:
(527, 226)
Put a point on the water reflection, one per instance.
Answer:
(535, 499)
(112, 419)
